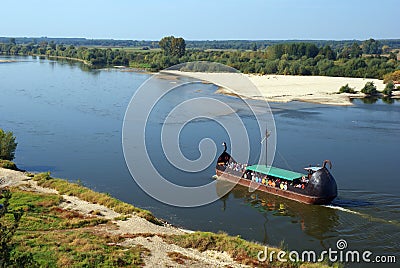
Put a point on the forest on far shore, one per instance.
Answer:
(368, 59)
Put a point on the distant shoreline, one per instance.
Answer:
(64, 58)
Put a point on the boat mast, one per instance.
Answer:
(267, 134)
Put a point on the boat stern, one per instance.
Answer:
(322, 185)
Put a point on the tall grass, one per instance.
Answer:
(77, 248)
(42, 212)
(74, 189)
(240, 250)
(8, 164)
(55, 237)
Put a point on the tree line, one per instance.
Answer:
(292, 58)
(195, 44)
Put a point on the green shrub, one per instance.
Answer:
(369, 89)
(389, 88)
(7, 145)
(8, 164)
(346, 89)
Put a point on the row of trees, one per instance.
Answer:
(94, 56)
(293, 50)
(383, 45)
(287, 59)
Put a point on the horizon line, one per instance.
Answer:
(196, 40)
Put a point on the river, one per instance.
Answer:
(68, 120)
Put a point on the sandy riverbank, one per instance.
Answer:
(7, 61)
(137, 230)
(285, 88)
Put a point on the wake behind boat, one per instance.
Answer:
(316, 187)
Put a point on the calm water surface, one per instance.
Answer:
(68, 121)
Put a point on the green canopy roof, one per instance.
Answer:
(276, 172)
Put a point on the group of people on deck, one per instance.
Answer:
(237, 166)
(303, 181)
(264, 179)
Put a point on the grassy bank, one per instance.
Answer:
(8, 164)
(240, 250)
(86, 194)
(54, 236)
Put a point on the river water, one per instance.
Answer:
(68, 120)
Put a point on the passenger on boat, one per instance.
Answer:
(300, 185)
(238, 167)
(303, 179)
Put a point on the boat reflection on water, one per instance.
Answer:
(318, 222)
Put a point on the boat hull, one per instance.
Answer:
(307, 199)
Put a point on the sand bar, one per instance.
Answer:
(7, 61)
(285, 88)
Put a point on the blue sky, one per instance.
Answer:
(202, 19)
